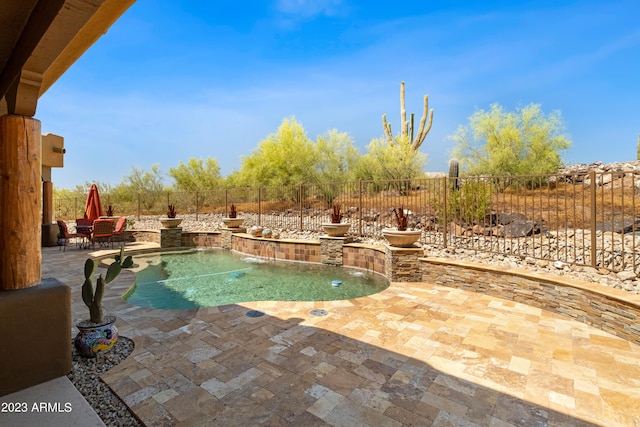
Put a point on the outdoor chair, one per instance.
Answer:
(64, 237)
(121, 226)
(102, 233)
(83, 229)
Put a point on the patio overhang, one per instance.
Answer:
(41, 39)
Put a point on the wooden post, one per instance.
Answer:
(47, 202)
(20, 203)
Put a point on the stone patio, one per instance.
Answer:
(415, 354)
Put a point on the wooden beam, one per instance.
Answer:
(94, 27)
(20, 203)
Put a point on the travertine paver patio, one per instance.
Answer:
(415, 354)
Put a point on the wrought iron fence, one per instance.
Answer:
(591, 220)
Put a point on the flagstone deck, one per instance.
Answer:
(415, 354)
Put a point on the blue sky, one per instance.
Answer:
(175, 79)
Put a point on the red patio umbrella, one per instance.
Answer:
(93, 208)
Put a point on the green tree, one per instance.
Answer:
(147, 184)
(395, 161)
(285, 157)
(197, 175)
(523, 142)
(140, 180)
(336, 157)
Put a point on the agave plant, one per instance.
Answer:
(92, 295)
(171, 213)
(336, 215)
(232, 211)
(401, 218)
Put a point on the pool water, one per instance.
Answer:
(207, 278)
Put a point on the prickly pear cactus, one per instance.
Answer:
(92, 296)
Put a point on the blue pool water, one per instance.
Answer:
(218, 277)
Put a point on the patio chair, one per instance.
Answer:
(102, 233)
(121, 226)
(64, 237)
(83, 229)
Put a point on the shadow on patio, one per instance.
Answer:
(414, 354)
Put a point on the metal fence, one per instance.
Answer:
(590, 220)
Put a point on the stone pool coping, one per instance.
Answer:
(609, 309)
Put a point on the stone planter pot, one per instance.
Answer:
(94, 338)
(170, 222)
(401, 239)
(335, 230)
(232, 222)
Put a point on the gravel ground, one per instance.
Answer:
(85, 376)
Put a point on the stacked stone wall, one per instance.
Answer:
(171, 237)
(403, 264)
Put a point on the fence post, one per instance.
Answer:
(226, 202)
(197, 205)
(444, 211)
(75, 207)
(300, 205)
(139, 206)
(360, 207)
(592, 178)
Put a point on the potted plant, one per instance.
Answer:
(336, 228)
(400, 236)
(170, 221)
(99, 333)
(232, 221)
(111, 214)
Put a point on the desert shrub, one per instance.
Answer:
(469, 204)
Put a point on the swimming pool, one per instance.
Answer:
(207, 278)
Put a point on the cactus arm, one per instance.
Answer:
(422, 130)
(404, 130)
(87, 286)
(112, 272)
(87, 292)
(387, 129)
(89, 268)
(95, 310)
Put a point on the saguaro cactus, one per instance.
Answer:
(405, 132)
(454, 170)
